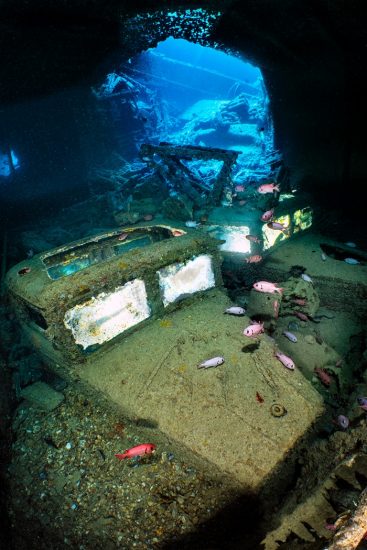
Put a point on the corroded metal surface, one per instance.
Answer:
(42, 289)
(172, 155)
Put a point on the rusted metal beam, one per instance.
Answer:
(354, 529)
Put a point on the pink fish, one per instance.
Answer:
(123, 236)
(299, 301)
(324, 376)
(239, 188)
(253, 330)
(301, 315)
(268, 188)
(143, 449)
(24, 271)
(285, 360)
(276, 226)
(178, 232)
(362, 402)
(265, 286)
(254, 259)
(267, 215)
(253, 239)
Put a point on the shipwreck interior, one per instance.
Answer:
(158, 160)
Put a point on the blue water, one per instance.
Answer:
(208, 58)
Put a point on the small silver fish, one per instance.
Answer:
(213, 362)
(351, 261)
(352, 245)
(292, 337)
(323, 256)
(235, 310)
(343, 421)
(306, 278)
(192, 223)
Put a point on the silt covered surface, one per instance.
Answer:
(214, 412)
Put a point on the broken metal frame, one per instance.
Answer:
(182, 178)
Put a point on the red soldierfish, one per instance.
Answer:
(253, 239)
(299, 301)
(143, 449)
(267, 215)
(324, 376)
(239, 188)
(276, 226)
(285, 360)
(254, 259)
(178, 232)
(265, 286)
(268, 188)
(301, 315)
(253, 330)
(24, 271)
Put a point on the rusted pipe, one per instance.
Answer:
(353, 530)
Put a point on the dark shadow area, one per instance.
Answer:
(343, 254)
(235, 527)
(46, 48)
(6, 406)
